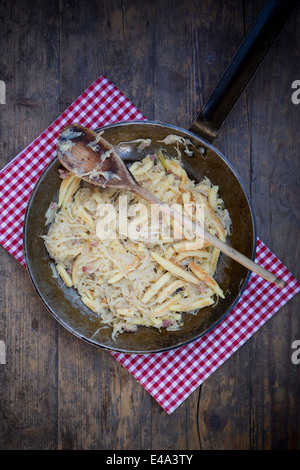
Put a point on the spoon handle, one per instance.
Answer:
(211, 239)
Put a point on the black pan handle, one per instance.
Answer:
(242, 67)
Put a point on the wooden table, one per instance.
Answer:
(56, 392)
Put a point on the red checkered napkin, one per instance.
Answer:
(170, 377)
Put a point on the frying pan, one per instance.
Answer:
(64, 303)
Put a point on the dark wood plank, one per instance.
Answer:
(29, 67)
(275, 163)
(113, 38)
(116, 406)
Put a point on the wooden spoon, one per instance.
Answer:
(90, 157)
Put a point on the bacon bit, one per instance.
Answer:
(201, 286)
(153, 157)
(63, 174)
(166, 323)
(85, 269)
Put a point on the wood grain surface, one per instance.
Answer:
(56, 392)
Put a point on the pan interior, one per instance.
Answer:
(64, 303)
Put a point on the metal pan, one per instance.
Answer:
(64, 303)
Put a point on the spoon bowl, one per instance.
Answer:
(90, 157)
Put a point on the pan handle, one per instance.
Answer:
(242, 67)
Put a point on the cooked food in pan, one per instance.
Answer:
(127, 269)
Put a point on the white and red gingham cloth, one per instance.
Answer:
(170, 377)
